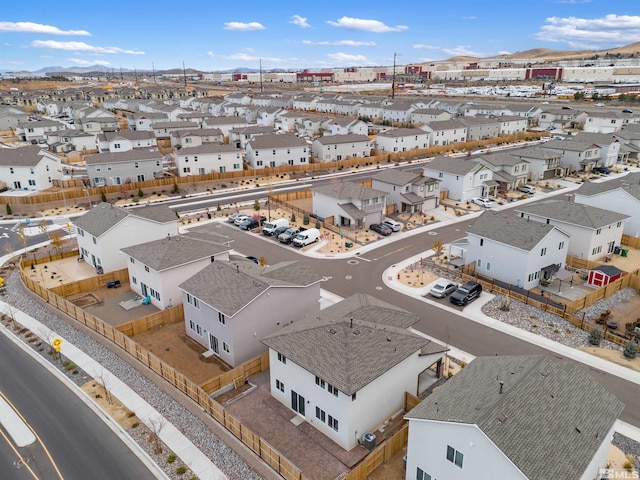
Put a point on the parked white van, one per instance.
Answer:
(306, 237)
(272, 226)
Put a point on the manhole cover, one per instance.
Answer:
(353, 262)
(432, 233)
(348, 277)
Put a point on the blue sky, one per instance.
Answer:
(219, 35)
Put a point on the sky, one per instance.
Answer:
(216, 35)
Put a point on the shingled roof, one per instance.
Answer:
(345, 345)
(574, 213)
(104, 216)
(509, 230)
(548, 417)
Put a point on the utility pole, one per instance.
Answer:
(153, 69)
(184, 74)
(261, 87)
(393, 77)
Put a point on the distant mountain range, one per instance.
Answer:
(97, 69)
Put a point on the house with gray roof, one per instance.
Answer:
(195, 138)
(346, 371)
(35, 131)
(145, 121)
(402, 140)
(230, 306)
(577, 156)
(240, 137)
(71, 140)
(29, 168)
(509, 171)
(349, 204)
(126, 140)
(525, 417)
(136, 165)
(99, 124)
(157, 268)
(409, 192)
(105, 229)
(446, 132)
(604, 121)
(208, 158)
(514, 250)
(165, 129)
(481, 127)
(620, 195)
(345, 126)
(265, 151)
(595, 232)
(340, 147)
(426, 115)
(463, 178)
(610, 146)
(543, 164)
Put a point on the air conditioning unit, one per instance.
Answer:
(369, 440)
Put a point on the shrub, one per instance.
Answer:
(171, 458)
(103, 196)
(256, 204)
(181, 470)
(293, 217)
(305, 219)
(9, 211)
(630, 349)
(595, 337)
(505, 304)
(218, 208)
(175, 188)
(140, 193)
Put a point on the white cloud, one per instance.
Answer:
(504, 52)
(81, 47)
(345, 58)
(472, 17)
(29, 27)
(374, 26)
(243, 26)
(460, 50)
(342, 43)
(300, 21)
(79, 61)
(210, 54)
(610, 30)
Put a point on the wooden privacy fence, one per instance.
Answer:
(259, 446)
(247, 369)
(143, 324)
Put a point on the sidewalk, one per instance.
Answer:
(201, 466)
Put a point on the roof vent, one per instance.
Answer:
(501, 418)
(578, 430)
(333, 331)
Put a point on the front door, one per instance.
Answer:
(297, 403)
(143, 287)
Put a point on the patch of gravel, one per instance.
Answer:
(191, 426)
(629, 447)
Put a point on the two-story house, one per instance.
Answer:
(166, 129)
(610, 153)
(514, 250)
(462, 178)
(208, 158)
(29, 168)
(157, 268)
(347, 371)
(481, 128)
(577, 156)
(511, 124)
(275, 150)
(349, 204)
(36, 131)
(543, 164)
(105, 229)
(595, 232)
(340, 147)
(509, 171)
(426, 115)
(525, 417)
(345, 126)
(446, 132)
(126, 140)
(230, 306)
(409, 192)
(124, 167)
(402, 140)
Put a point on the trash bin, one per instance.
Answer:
(616, 250)
(624, 252)
(348, 244)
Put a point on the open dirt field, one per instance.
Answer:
(171, 344)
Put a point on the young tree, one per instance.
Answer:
(595, 337)
(57, 239)
(630, 349)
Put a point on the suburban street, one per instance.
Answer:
(348, 277)
(80, 444)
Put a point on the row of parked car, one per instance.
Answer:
(460, 294)
(386, 228)
(278, 228)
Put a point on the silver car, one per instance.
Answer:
(442, 288)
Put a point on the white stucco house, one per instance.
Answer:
(36, 131)
(123, 167)
(29, 168)
(345, 126)
(595, 232)
(513, 417)
(409, 192)
(543, 164)
(577, 156)
(374, 359)
(157, 268)
(402, 140)
(105, 229)
(71, 140)
(340, 147)
(463, 178)
(230, 306)
(349, 204)
(514, 250)
(508, 170)
(126, 140)
(619, 195)
(195, 138)
(446, 132)
(609, 145)
(208, 158)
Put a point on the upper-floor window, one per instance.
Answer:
(282, 358)
(454, 456)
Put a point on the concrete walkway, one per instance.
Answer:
(169, 434)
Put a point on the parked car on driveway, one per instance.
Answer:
(603, 170)
(466, 293)
(249, 224)
(233, 216)
(483, 202)
(393, 225)
(527, 189)
(380, 229)
(240, 218)
(442, 288)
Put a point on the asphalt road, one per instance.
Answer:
(79, 442)
(347, 278)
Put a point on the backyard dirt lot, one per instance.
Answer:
(171, 344)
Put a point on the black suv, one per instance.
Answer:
(466, 293)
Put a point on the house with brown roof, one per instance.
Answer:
(347, 370)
